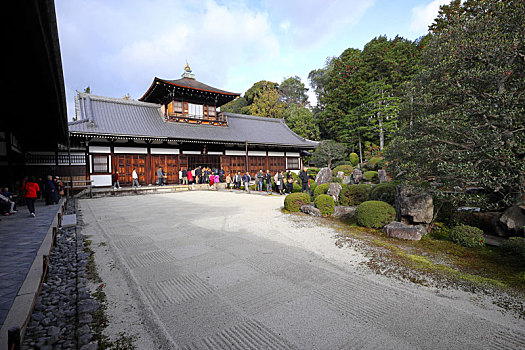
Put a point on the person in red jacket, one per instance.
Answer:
(31, 190)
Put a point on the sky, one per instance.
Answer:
(117, 47)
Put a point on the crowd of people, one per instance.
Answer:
(282, 181)
(50, 189)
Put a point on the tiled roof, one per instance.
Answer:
(98, 115)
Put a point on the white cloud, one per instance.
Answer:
(423, 16)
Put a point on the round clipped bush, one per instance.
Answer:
(325, 204)
(353, 194)
(296, 188)
(294, 201)
(514, 246)
(371, 176)
(375, 163)
(354, 158)
(337, 179)
(313, 186)
(467, 236)
(385, 192)
(346, 169)
(321, 189)
(374, 214)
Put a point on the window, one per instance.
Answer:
(177, 106)
(100, 164)
(195, 110)
(211, 111)
(292, 163)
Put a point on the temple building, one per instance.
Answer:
(177, 124)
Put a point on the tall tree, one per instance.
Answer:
(301, 121)
(292, 91)
(468, 126)
(266, 103)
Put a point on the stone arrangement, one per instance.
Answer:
(62, 316)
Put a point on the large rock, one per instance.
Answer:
(333, 190)
(341, 175)
(347, 180)
(343, 212)
(512, 220)
(413, 206)
(310, 210)
(324, 176)
(383, 177)
(402, 231)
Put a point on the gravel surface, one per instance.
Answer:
(223, 270)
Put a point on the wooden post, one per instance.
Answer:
(13, 338)
(44, 265)
(246, 149)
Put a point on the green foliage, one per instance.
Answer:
(347, 169)
(294, 201)
(301, 121)
(385, 192)
(296, 188)
(354, 158)
(354, 194)
(374, 214)
(514, 246)
(375, 163)
(371, 176)
(313, 186)
(327, 152)
(337, 179)
(466, 124)
(321, 189)
(312, 173)
(266, 103)
(325, 204)
(293, 92)
(467, 236)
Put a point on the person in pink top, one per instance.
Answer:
(216, 180)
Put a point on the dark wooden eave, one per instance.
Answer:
(163, 91)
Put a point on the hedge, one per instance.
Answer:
(514, 246)
(385, 192)
(374, 214)
(346, 169)
(294, 201)
(325, 204)
(321, 189)
(371, 176)
(354, 158)
(467, 236)
(354, 194)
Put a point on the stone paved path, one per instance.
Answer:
(218, 270)
(20, 239)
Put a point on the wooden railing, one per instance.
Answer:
(70, 186)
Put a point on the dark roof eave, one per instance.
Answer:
(124, 136)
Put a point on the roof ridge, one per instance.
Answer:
(249, 116)
(117, 100)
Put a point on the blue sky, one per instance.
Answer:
(117, 47)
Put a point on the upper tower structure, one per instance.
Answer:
(188, 100)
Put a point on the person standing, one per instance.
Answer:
(246, 179)
(190, 177)
(303, 176)
(216, 180)
(184, 176)
(221, 175)
(160, 176)
(260, 180)
(228, 181)
(116, 183)
(135, 178)
(31, 189)
(50, 191)
(198, 175)
(268, 179)
(237, 180)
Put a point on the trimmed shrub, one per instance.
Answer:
(347, 169)
(313, 186)
(321, 189)
(337, 179)
(294, 201)
(375, 163)
(296, 188)
(385, 192)
(371, 176)
(514, 246)
(354, 194)
(325, 204)
(354, 158)
(312, 172)
(467, 236)
(374, 214)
